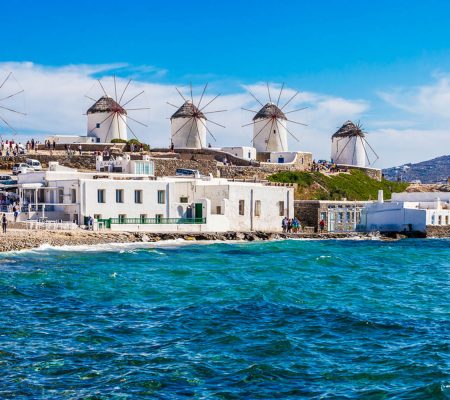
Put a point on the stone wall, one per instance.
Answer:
(438, 231)
(85, 161)
(308, 213)
(373, 173)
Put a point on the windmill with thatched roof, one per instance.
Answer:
(350, 147)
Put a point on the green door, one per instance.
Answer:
(198, 210)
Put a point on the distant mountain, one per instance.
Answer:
(436, 170)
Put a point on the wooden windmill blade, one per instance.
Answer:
(12, 99)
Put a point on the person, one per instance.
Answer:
(4, 223)
(80, 148)
(54, 145)
(16, 213)
(90, 223)
(322, 225)
(284, 224)
(172, 147)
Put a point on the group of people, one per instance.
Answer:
(291, 225)
(50, 145)
(326, 166)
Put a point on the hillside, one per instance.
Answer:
(436, 170)
(355, 185)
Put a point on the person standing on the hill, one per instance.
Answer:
(4, 223)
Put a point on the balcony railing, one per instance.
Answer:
(136, 221)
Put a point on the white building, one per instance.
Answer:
(348, 146)
(107, 120)
(140, 202)
(245, 152)
(269, 129)
(407, 212)
(188, 127)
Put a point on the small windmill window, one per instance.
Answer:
(97, 125)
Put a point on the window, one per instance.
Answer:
(138, 196)
(161, 197)
(119, 195)
(257, 208)
(75, 218)
(446, 220)
(101, 198)
(142, 218)
(158, 218)
(122, 218)
(218, 210)
(97, 125)
(97, 216)
(241, 207)
(60, 195)
(74, 195)
(281, 208)
(183, 199)
(440, 220)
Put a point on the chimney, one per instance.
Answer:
(380, 196)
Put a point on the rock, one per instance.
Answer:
(145, 238)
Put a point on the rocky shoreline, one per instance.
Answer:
(19, 239)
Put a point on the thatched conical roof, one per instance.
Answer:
(188, 110)
(349, 129)
(106, 104)
(270, 110)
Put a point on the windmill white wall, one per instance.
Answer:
(273, 136)
(97, 126)
(188, 133)
(348, 150)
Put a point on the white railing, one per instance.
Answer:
(51, 225)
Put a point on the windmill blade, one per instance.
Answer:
(170, 104)
(290, 133)
(104, 91)
(295, 122)
(255, 98)
(247, 109)
(201, 97)
(270, 134)
(128, 126)
(138, 122)
(216, 111)
(123, 105)
(180, 94)
(14, 111)
(376, 155)
(292, 98)
(109, 129)
(12, 95)
(6, 122)
(268, 91)
(192, 98)
(251, 123)
(90, 98)
(207, 104)
(254, 137)
(208, 130)
(279, 96)
(6, 79)
(109, 116)
(138, 109)
(215, 123)
(124, 90)
(281, 142)
(115, 88)
(190, 130)
(298, 109)
(118, 125)
(182, 126)
(354, 151)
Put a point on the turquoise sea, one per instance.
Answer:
(287, 319)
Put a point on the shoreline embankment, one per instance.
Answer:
(21, 239)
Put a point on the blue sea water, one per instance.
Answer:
(285, 319)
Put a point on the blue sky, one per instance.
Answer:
(384, 54)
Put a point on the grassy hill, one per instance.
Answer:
(355, 185)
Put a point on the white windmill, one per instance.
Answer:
(108, 118)
(350, 147)
(189, 123)
(270, 124)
